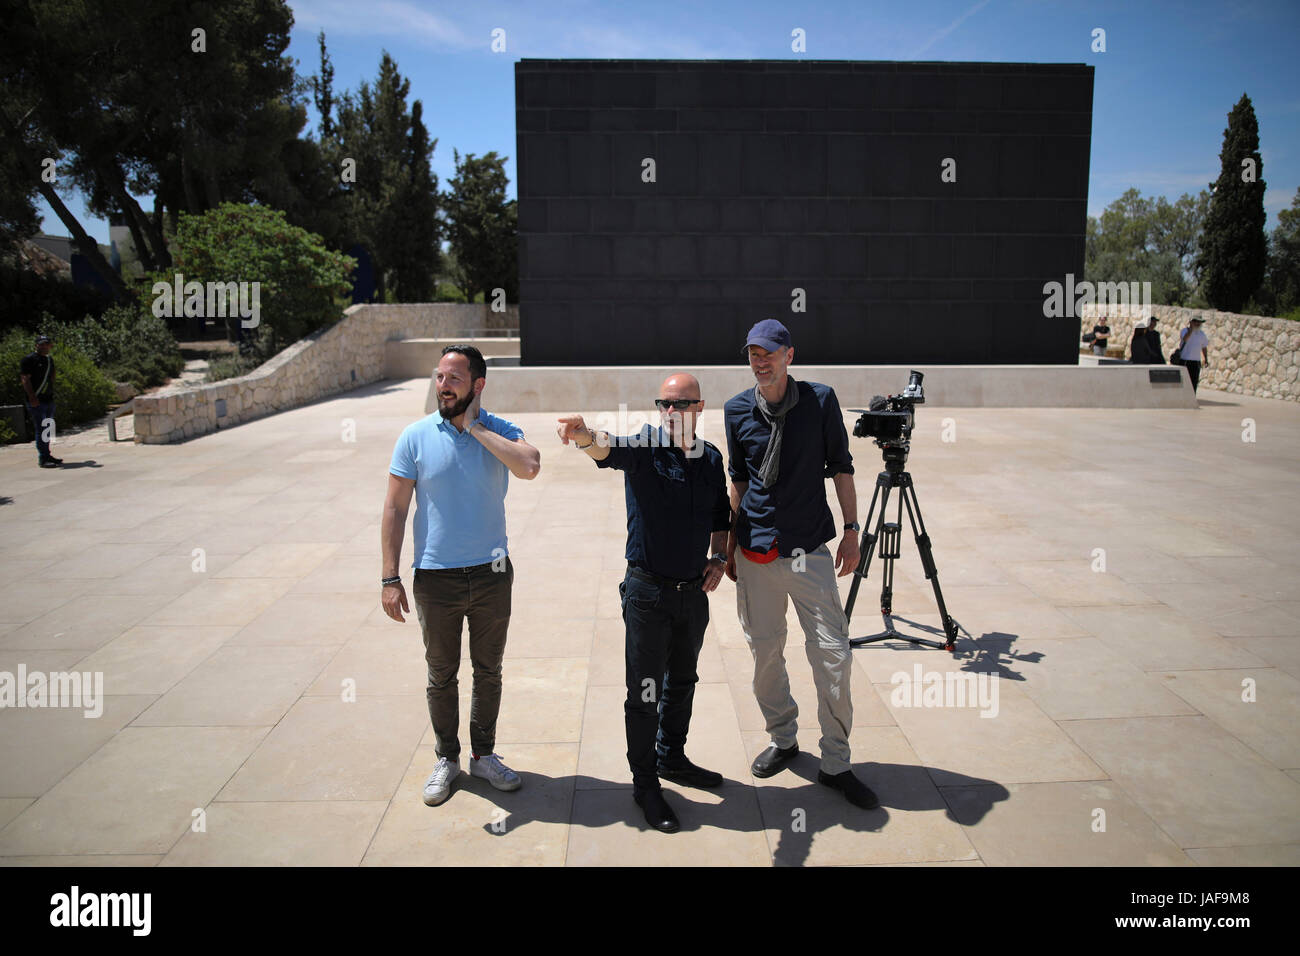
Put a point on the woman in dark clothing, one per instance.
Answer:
(1144, 349)
(1138, 352)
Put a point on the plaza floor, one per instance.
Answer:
(1127, 579)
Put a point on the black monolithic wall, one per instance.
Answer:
(776, 176)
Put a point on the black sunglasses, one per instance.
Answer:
(680, 404)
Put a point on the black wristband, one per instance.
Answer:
(396, 579)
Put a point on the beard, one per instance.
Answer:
(453, 408)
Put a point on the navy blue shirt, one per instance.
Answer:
(674, 502)
(814, 446)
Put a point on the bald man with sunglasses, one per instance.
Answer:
(678, 514)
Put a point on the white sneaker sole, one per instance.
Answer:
(438, 796)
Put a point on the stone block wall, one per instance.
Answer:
(1249, 354)
(348, 354)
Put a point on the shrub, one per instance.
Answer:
(299, 278)
(232, 366)
(81, 392)
(129, 344)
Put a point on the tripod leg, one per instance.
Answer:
(866, 544)
(927, 561)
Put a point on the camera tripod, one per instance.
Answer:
(889, 534)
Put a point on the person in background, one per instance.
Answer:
(1193, 349)
(1153, 343)
(1138, 353)
(1101, 330)
(37, 372)
(1144, 347)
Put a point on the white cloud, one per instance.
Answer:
(553, 31)
(396, 18)
(948, 29)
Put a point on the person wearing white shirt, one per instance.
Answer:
(1193, 348)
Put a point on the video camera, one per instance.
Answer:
(889, 419)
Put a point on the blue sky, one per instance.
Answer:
(1163, 88)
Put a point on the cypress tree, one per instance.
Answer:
(1234, 248)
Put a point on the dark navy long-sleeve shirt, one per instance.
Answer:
(814, 446)
(674, 502)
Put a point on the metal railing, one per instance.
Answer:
(126, 409)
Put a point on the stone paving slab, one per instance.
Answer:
(1145, 653)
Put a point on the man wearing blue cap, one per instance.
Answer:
(784, 438)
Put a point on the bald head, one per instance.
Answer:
(680, 385)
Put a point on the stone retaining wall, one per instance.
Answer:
(347, 354)
(1249, 354)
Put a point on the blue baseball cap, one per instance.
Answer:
(768, 334)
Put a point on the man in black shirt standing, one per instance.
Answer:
(677, 515)
(38, 383)
(784, 439)
(1102, 332)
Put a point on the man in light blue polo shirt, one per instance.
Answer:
(457, 462)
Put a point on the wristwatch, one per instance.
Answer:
(719, 557)
(854, 527)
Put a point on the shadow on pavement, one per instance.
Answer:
(798, 813)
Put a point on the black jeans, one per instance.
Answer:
(665, 630)
(444, 599)
(1194, 373)
(40, 414)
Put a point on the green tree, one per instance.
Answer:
(1280, 292)
(132, 99)
(390, 204)
(18, 217)
(299, 278)
(1139, 239)
(1233, 248)
(482, 226)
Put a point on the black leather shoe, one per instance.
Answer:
(854, 790)
(772, 760)
(682, 771)
(657, 812)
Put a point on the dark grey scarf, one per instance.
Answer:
(770, 470)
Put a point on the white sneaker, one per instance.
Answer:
(438, 787)
(495, 772)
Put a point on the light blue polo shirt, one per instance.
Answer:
(460, 491)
